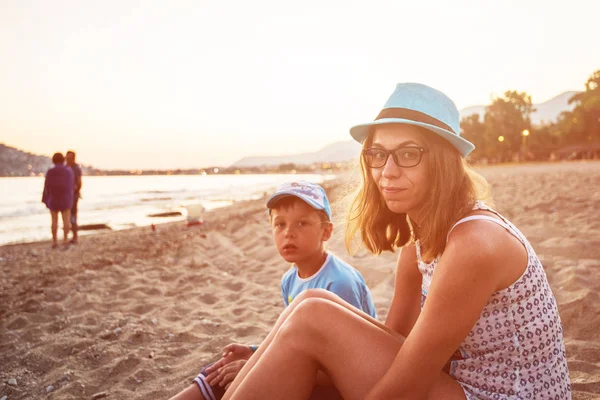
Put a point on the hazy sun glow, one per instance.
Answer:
(196, 83)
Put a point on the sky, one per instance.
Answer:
(187, 84)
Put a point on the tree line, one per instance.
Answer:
(506, 133)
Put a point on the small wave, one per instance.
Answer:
(23, 212)
(156, 199)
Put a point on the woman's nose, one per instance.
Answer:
(391, 169)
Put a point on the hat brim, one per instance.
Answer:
(464, 147)
(278, 196)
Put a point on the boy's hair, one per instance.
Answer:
(71, 152)
(289, 201)
(58, 158)
(454, 189)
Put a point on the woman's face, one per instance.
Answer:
(402, 188)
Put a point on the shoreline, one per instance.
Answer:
(343, 177)
(122, 203)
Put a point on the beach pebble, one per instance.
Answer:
(151, 355)
(154, 321)
(99, 395)
(49, 389)
(4, 398)
(12, 382)
(117, 331)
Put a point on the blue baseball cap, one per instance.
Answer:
(311, 193)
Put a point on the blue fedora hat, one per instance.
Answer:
(420, 105)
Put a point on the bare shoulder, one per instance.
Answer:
(487, 248)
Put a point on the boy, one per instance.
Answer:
(301, 223)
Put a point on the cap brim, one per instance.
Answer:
(278, 196)
(464, 147)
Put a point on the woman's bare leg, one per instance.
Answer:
(66, 218)
(54, 225)
(307, 294)
(323, 335)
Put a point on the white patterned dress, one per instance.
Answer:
(515, 350)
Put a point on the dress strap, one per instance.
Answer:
(500, 222)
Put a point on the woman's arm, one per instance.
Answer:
(406, 304)
(471, 269)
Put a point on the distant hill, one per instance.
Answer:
(547, 111)
(333, 153)
(15, 162)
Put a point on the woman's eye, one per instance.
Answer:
(409, 155)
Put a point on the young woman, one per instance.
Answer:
(472, 316)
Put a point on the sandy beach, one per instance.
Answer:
(134, 314)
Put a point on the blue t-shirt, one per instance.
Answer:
(336, 276)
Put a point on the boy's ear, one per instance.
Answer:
(327, 231)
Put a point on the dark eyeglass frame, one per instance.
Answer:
(394, 154)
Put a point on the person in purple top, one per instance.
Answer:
(58, 195)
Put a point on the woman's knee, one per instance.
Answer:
(311, 313)
(305, 324)
(314, 294)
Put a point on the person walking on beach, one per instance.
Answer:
(473, 315)
(58, 196)
(301, 223)
(76, 193)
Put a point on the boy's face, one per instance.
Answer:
(299, 232)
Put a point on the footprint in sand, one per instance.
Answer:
(17, 323)
(235, 286)
(208, 298)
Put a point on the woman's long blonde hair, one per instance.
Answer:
(454, 189)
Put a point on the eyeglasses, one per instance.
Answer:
(406, 157)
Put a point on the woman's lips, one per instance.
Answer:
(392, 190)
